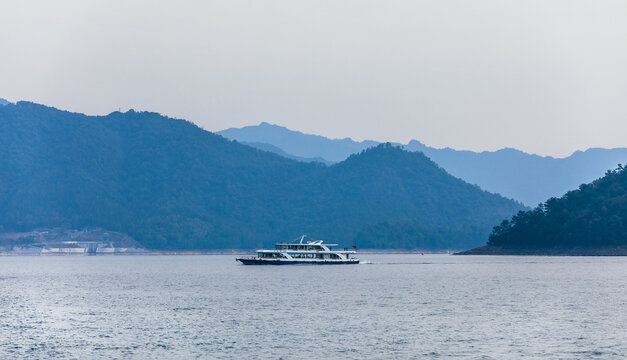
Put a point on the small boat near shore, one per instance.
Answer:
(301, 251)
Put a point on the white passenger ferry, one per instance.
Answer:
(301, 251)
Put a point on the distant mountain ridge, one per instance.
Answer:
(273, 149)
(297, 143)
(171, 185)
(512, 173)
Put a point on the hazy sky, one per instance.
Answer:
(548, 77)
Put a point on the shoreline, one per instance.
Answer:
(481, 251)
(574, 251)
(213, 252)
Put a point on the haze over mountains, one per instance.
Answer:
(296, 143)
(273, 149)
(528, 178)
(171, 185)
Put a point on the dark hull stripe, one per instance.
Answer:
(296, 262)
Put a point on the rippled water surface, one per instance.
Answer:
(394, 306)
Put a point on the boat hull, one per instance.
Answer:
(293, 262)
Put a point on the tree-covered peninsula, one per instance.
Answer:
(591, 220)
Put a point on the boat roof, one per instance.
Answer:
(301, 241)
(287, 243)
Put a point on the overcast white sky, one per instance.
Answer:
(547, 77)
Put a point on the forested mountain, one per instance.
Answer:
(172, 185)
(528, 178)
(586, 221)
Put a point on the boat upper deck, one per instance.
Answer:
(301, 245)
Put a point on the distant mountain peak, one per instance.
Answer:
(297, 143)
(264, 123)
(383, 148)
(273, 149)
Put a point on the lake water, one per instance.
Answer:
(394, 306)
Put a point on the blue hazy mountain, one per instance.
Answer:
(172, 185)
(525, 177)
(4, 102)
(296, 143)
(276, 150)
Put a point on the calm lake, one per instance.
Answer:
(393, 306)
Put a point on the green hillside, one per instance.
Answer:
(587, 221)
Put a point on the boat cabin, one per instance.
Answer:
(302, 252)
(299, 255)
